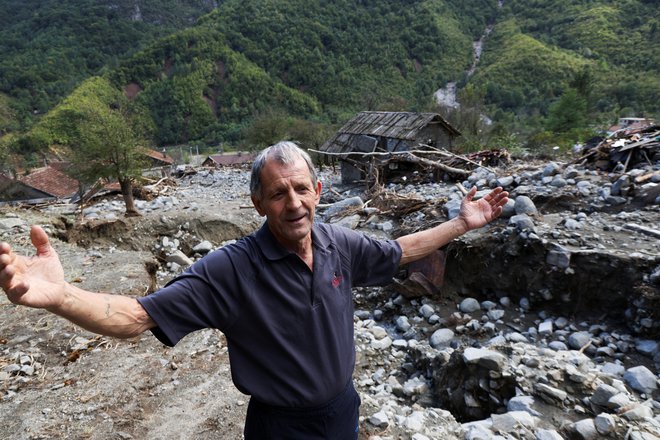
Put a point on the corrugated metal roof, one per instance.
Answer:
(393, 125)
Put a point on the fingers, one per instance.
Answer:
(8, 281)
(497, 197)
(40, 240)
(497, 212)
(493, 194)
(6, 270)
(6, 260)
(12, 266)
(471, 193)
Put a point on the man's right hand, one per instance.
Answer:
(39, 282)
(36, 281)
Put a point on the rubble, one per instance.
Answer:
(623, 149)
(543, 325)
(564, 215)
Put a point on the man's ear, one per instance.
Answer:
(257, 205)
(318, 191)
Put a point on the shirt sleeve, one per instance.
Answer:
(206, 295)
(373, 262)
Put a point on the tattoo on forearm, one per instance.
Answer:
(107, 308)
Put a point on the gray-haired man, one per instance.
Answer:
(282, 297)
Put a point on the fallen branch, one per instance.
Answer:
(644, 230)
(411, 158)
(444, 152)
(404, 156)
(646, 177)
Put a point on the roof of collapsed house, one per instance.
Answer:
(51, 181)
(394, 125)
(237, 158)
(11, 189)
(160, 156)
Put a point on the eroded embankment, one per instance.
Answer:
(595, 285)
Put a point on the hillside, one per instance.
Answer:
(49, 47)
(323, 61)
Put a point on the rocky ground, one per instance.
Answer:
(545, 325)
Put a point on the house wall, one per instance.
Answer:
(16, 191)
(438, 137)
(396, 144)
(157, 172)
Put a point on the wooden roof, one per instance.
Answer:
(393, 125)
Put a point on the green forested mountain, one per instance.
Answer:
(48, 47)
(539, 48)
(320, 61)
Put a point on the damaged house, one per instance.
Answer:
(229, 159)
(41, 184)
(160, 164)
(372, 136)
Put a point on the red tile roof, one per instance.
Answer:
(162, 157)
(51, 181)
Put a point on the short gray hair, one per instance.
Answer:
(284, 152)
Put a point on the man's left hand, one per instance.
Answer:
(477, 213)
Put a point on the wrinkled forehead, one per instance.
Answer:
(276, 171)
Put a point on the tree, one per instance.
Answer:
(310, 135)
(469, 118)
(100, 127)
(267, 127)
(567, 114)
(8, 121)
(108, 146)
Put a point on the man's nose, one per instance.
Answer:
(292, 200)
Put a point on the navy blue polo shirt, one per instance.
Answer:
(289, 329)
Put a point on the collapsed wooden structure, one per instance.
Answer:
(381, 146)
(372, 140)
(622, 150)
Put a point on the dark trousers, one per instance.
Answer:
(335, 420)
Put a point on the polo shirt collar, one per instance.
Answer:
(273, 250)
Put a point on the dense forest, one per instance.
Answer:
(245, 73)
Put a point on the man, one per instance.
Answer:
(281, 296)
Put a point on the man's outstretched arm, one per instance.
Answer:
(39, 282)
(473, 214)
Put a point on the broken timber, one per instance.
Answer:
(402, 156)
(629, 148)
(643, 229)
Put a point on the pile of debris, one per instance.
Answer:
(623, 149)
(421, 165)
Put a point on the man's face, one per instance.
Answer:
(288, 199)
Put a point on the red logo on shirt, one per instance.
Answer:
(336, 280)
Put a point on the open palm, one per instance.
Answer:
(36, 281)
(477, 213)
